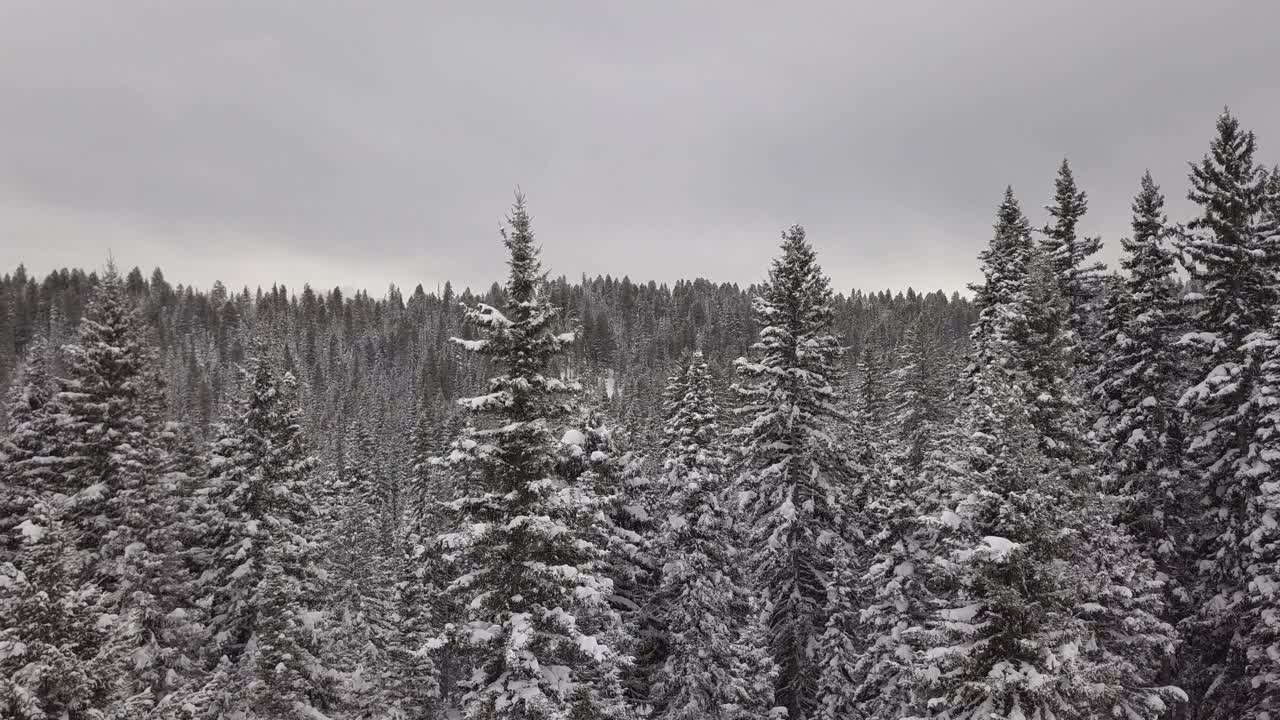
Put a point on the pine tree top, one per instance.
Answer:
(526, 268)
(1010, 249)
(1227, 183)
(1070, 203)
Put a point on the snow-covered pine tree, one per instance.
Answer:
(360, 574)
(918, 388)
(875, 405)
(805, 506)
(414, 679)
(533, 585)
(1231, 260)
(717, 664)
(428, 488)
(1000, 298)
(108, 416)
(1259, 624)
(424, 678)
(122, 506)
(1042, 613)
(592, 458)
(1136, 391)
(1051, 385)
(264, 589)
(898, 586)
(1071, 256)
(56, 661)
(1022, 332)
(24, 478)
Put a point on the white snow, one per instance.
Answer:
(31, 531)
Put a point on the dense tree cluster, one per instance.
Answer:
(606, 499)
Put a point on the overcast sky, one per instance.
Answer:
(365, 143)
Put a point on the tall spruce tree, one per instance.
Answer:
(716, 665)
(533, 584)
(1041, 612)
(900, 586)
(264, 584)
(875, 404)
(1048, 377)
(1001, 296)
(24, 478)
(108, 412)
(1022, 333)
(805, 503)
(592, 457)
(1231, 260)
(1070, 255)
(1137, 375)
(108, 459)
(1259, 626)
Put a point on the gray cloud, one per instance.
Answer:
(362, 144)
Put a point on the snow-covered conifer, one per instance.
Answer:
(1138, 426)
(108, 460)
(874, 402)
(1041, 611)
(918, 387)
(534, 584)
(414, 680)
(264, 586)
(1022, 333)
(1231, 259)
(804, 504)
(1257, 618)
(24, 478)
(592, 458)
(1070, 255)
(717, 664)
(1006, 264)
(52, 659)
(359, 561)
(1050, 384)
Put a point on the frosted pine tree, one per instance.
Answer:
(264, 588)
(414, 677)
(1259, 614)
(108, 417)
(55, 660)
(899, 584)
(25, 478)
(360, 573)
(918, 387)
(1042, 614)
(108, 458)
(1071, 256)
(592, 458)
(425, 677)
(874, 402)
(804, 503)
(1048, 377)
(534, 587)
(1000, 298)
(1136, 391)
(717, 664)
(1231, 259)
(1022, 332)
(429, 486)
